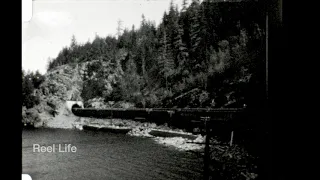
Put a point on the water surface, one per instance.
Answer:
(102, 155)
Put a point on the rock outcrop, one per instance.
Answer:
(63, 83)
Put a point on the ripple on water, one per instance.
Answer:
(102, 155)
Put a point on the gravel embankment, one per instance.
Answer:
(143, 129)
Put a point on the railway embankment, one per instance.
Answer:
(162, 134)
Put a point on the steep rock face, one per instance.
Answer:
(61, 84)
(64, 83)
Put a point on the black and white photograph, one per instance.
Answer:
(145, 89)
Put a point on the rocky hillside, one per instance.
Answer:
(96, 83)
(63, 83)
(173, 64)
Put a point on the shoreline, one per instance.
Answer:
(161, 134)
(144, 129)
(223, 154)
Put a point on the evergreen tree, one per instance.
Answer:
(165, 60)
(131, 82)
(74, 43)
(208, 45)
(119, 28)
(30, 82)
(182, 53)
(184, 5)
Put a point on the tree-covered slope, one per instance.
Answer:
(217, 48)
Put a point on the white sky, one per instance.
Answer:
(53, 23)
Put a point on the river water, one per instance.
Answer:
(102, 155)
